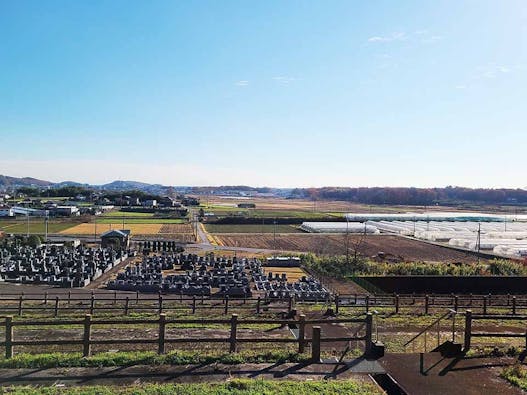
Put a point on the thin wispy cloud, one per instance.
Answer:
(423, 36)
(487, 72)
(283, 80)
(242, 83)
(395, 36)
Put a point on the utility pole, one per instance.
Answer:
(46, 220)
(27, 216)
(347, 241)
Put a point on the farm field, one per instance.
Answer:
(115, 213)
(140, 221)
(36, 226)
(215, 228)
(148, 229)
(400, 248)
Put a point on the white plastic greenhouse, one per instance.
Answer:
(338, 227)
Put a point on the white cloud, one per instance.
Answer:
(284, 80)
(395, 36)
(242, 83)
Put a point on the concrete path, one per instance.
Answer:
(463, 376)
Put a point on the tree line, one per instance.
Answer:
(415, 196)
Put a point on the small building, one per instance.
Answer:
(283, 261)
(116, 238)
(150, 203)
(246, 205)
(6, 212)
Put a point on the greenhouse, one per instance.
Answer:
(338, 227)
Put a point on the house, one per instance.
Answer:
(150, 203)
(116, 238)
(66, 211)
(6, 212)
(167, 201)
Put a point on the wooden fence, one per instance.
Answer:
(470, 333)
(162, 322)
(125, 303)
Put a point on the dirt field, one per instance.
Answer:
(293, 273)
(398, 247)
(136, 229)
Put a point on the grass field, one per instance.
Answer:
(126, 214)
(231, 387)
(214, 228)
(140, 221)
(36, 226)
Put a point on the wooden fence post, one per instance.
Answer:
(20, 299)
(290, 304)
(160, 302)
(301, 333)
(45, 298)
(226, 301)
(468, 330)
(162, 326)
(315, 345)
(456, 302)
(234, 326)
(86, 346)
(337, 303)
(514, 305)
(396, 304)
(126, 303)
(427, 301)
(485, 305)
(258, 305)
(367, 301)
(56, 312)
(92, 304)
(8, 337)
(369, 334)
(193, 305)
(69, 297)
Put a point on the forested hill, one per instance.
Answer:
(416, 196)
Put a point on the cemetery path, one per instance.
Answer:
(467, 376)
(106, 276)
(65, 377)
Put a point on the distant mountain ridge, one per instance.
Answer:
(13, 182)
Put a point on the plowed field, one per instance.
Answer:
(397, 247)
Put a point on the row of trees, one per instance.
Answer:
(340, 267)
(415, 196)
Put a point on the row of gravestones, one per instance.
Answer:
(56, 265)
(202, 275)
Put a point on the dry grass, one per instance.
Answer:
(293, 273)
(136, 229)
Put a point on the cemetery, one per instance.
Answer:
(188, 274)
(56, 265)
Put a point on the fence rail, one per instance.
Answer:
(158, 303)
(162, 322)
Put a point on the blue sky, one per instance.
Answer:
(277, 93)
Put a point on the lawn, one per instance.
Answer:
(249, 387)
